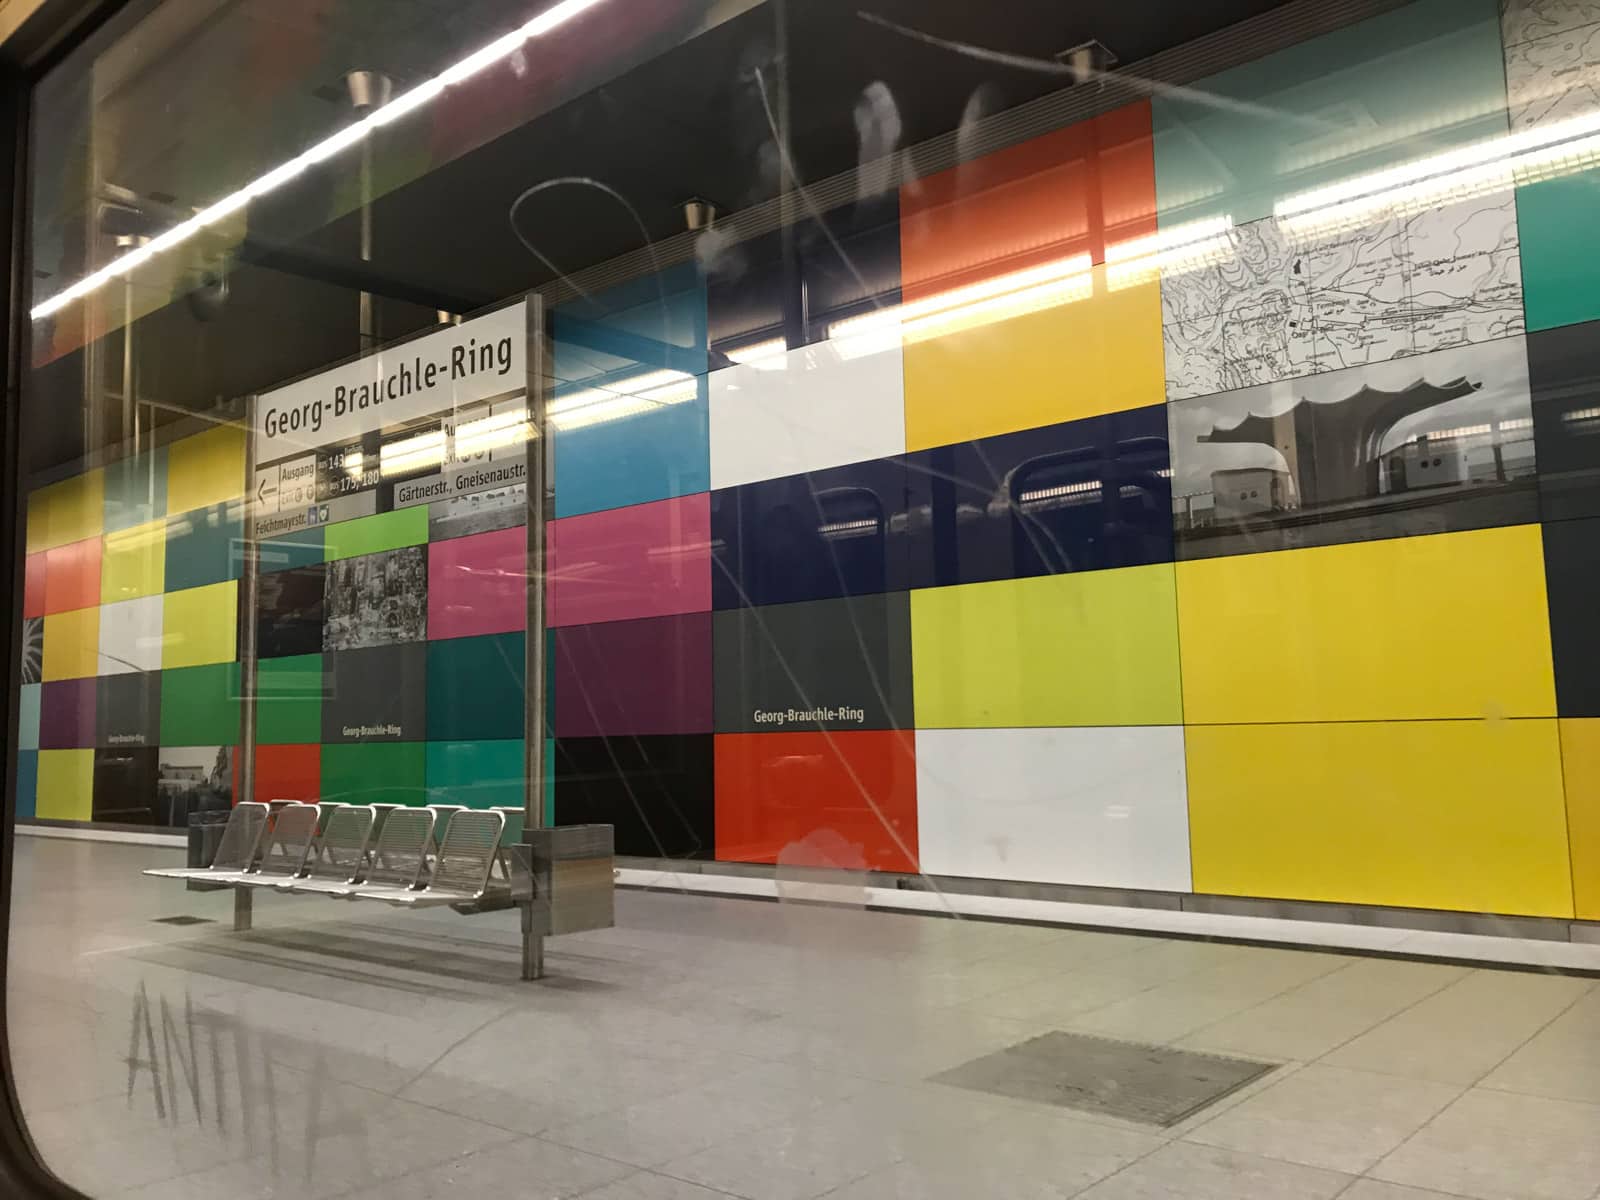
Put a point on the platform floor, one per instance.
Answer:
(711, 1047)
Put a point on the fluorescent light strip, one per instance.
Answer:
(1488, 167)
(417, 97)
(767, 356)
(1451, 161)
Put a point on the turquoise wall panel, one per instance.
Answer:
(477, 774)
(1405, 85)
(1556, 222)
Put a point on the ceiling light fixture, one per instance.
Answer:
(423, 94)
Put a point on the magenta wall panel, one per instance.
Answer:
(478, 584)
(650, 560)
(634, 677)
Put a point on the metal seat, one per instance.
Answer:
(398, 858)
(341, 856)
(441, 824)
(236, 850)
(294, 833)
(461, 874)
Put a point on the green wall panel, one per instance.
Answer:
(375, 773)
(200, 706)
(289, 700)
(372, 535)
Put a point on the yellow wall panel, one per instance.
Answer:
(205, 469)
(1448, 625)
(72, 644)
(69, 511)
(66, 785)
(199, 626)
(1580, 759)
(1097, 355)
(134, 562)
(1097, 648)
(1462, 815)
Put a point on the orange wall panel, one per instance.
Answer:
(1070, 192)
(33, 602)
(72, 576)
(818, 799)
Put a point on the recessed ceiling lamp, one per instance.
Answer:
(408, 102)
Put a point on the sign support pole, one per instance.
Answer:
(249, 588)
(534, 703)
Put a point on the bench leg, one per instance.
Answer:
(243, 909)
(532, 946)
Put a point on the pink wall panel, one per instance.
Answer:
(478, 584)
(649, 560)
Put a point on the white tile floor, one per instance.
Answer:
(712, 1047)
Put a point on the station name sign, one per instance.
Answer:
(437, 374)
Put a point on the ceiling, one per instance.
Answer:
(829, 79)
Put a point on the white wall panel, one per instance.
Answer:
(1099, 807)
(130, 636)
(805, 410)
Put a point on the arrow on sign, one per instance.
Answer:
(263, 491)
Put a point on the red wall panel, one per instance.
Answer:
(288, 773)
(824, 799)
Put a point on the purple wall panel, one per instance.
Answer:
(649, 560)
(66, 714)
(634, 677)
(478, 584)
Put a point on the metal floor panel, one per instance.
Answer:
(1153, 1085)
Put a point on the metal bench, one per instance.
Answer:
(236, 852)
(293, 835)
(341, 855)
(398, 860)
(461, 873)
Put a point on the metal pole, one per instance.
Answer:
(250, 589)
(533, 705)
(368, 90)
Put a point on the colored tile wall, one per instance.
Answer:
(947, 502)
(1407, 814)
(477, 774)
(1580, 763)
(1094, 649)
(827, 664)
(845, 799)
(651, 676)
(1097, 807)
(1407, 629)
(1420, 80)
(656, 791)
(645, 560)
(478, 584)
(830, 533)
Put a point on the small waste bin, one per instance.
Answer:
(205, 835)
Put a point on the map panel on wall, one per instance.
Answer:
(1425, 444)
(1275, 307)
